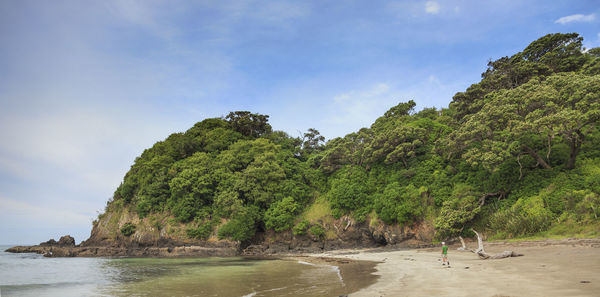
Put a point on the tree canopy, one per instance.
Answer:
(515, 152)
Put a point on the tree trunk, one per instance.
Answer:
(501, 194)
(462, 241)
(575, 146)
(483, 255)
(537, 157)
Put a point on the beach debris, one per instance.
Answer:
(585, 281)
(481, 252)
(463, 247)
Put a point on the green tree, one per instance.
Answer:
(249, 124)
(349, 190)
(280, 216)
(527, 120)
(458, 213)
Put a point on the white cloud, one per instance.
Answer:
(142, 13)
(57, 217)
(576, 18)
(432, 7)
(362, 106)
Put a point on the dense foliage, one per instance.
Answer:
(128, 229)
(516, 153)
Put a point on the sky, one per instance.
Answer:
(86, 86)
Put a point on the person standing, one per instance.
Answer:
(445, 254)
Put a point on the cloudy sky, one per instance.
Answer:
(85, 86)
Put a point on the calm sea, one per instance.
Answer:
(34, 275)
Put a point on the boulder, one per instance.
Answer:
(48, 243)
(66, 240)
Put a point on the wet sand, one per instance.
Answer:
(353, 274)
(560, 268)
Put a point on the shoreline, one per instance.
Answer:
(568, 267)
(552, 267)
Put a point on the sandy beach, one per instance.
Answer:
(548, 268)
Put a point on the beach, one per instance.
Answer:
(568, 267)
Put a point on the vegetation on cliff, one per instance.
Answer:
(515, 154)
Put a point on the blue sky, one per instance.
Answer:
(85, 86)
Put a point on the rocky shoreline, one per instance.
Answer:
(269, 244)
(100, 251)
(148, 241)
(66, 247)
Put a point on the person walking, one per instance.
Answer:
(445, 254)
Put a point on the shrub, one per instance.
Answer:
(589, 206)
(526, 216)
(202, 232)
(349, 190)
(126, 190)
(185, 209)
(399, 204)
(280, 216)
(300, 228)
(242, 227)
(143, 208)
(128, 229)
(317, 231)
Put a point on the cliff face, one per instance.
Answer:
(151, 238)
(160, 235)
(340, 234)
(157, 230)
(162, 231)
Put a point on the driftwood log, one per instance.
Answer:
(481, 252)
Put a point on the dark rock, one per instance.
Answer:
(48, 243)
(66, 240)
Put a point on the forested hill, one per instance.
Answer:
(515, 154)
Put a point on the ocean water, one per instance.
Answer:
(35, 275)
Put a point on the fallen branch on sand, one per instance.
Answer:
(481, 252)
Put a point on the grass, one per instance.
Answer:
(318, 211)
(557, 231)
(374, 221)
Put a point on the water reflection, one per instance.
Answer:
(228, 277)
(32, 275)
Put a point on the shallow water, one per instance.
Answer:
(34, 275)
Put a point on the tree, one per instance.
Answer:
(399, 204)
(280, 216)
(312, 141)
(399, 144)
(349, 190)
(349, 150)
(549, 54)
(458, 213)
(249, 124)
(527, 120)
(260, 181)
(559, 51)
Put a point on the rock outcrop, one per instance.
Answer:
(346, 233)
(66, 241)
(106, 251)
(164, 237)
